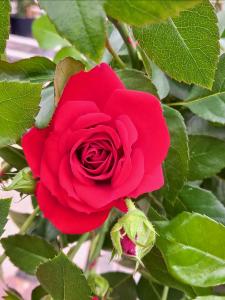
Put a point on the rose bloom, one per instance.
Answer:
(104, 143)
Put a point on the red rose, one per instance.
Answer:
(104, 143)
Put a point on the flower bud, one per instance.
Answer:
(23, 182)
(98, 284)
(94, 298)
(133, 235)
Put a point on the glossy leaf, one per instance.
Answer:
(207, 156)
(143, 12)
(34, 69)
(193, 248)
(45, 33)
(210, 105)
(176, 163)
(176, 48)
(195, 199)
(136, 80)
(82, 23)
(4, 211)
(27, 252)
(4, 23)
(155, 265)
(18, 105)
(63, 280)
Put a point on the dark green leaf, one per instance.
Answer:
(195, 199)
(27, 252)
(143, 12)
(4, 211)
(13, 156)
(45, 33)
(122, 284)
(155, 265)
(136, 80)
(176, 48)
(47, 107)
(34, 69)
(210, 105)
(38, 293)
(4, 23)
(63, 280)
(80, 22)
(193, 247)
(147, 290)
(207, 156)
(176, 163)
(18, 106)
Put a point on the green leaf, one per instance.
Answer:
(18, 217)
(80, 22)
(69, 52)
(155, 265)
(38, 293)
(210, 105)
(122, 284)
(45, 33)
(210, 298)
(4, 23)
(143, 12)
(18, 106)
(176, 164)
(195, 199)
(64, 70)
(34, 69)
(193, 248)
(146, 290)
(13, 156)
(27, 252)
(136, 80)
(63, 280)
(4, 211)
(12, 294)
(176, 48)
(160, 81)
(207, 156)
(47, 107)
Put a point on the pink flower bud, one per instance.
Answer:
(128, 246)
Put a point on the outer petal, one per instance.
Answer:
(65, 219)
(150, 182)
(146, 114)
(33, 143)
(96, 85)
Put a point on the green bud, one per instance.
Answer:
(23, 182)
(98, 284)
(133, 235)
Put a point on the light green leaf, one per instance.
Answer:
(63, 280)
(210, 298)
(27, 252)
(136, 80)
(155, 265)
(4, 23)
(80, 22)
(69, 52)
(176, 47)
(207, 156)
(176, 164)
(34, 69)
(18, 217)
(47, 107)
(45, 33)
(195, 199)
(18, 106)
(4, 211)
(139, 12)
(210, 105)
(193, 248)
(160, 81)
(11, 294)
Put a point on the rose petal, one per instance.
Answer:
(33, 143)
(146, 114)
(65, 219)
(90, 120)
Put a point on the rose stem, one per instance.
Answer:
(114, 54)
(165, 293)
(127, 40)
(73, 250)
(26, 225)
